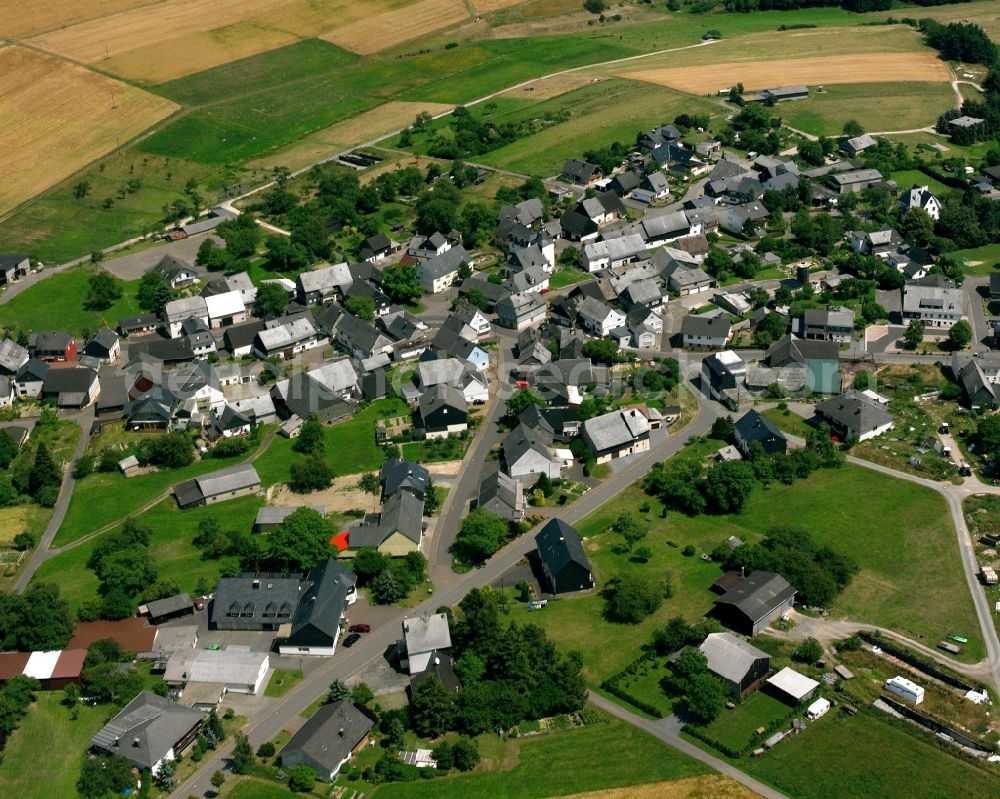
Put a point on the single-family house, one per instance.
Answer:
(287, 336)
(52, 346)
(443, 411)
(472, 316)
(177, 312)
(668, 227)
(617, 434)
(424, 637)
(470, 382)
(937, 303)
(854, 180)
(12, 357)
(377, 248)
(323, 284)
(835, 323)
(920, 197)
(711, 330)
(755, 428)
(526, 453)
(521, 311)
(176, 272)
(397, 475)
(722, 375)
(328, 739)
(103, 345)
(855, 415)
(581, 172)
(76, 387)
(598, 317)
(149, 730)
(440, 272)
(612, 253)
(564, 563)
(396, 530)
(361, 339)
(502, 495)
(578, 227)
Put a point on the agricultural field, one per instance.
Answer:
(49, 728)
(21, 20)
(900, 106)
(56, 304)
(604, 756)
(827, 70)
(59, 117)
(161, 41)
(391, 27)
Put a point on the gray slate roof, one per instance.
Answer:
(559, 544)
(729, 656)
(758, 594)
(329, 736)
(146, 729)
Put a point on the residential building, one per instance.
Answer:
(564, 562)
(75, 387)
(526, 453)
(502, 496)
(176, 272)
(755, 601)
(521, 311)
(234, 481)
(328, 739)
(398, 475)
(854, 180)
(287, 336)
(854, 415)
(12, 357)
(581, 172)
(443, 411)
(440, 272)
(323, 284)
(103, 345)
(819, 359)
(611, 253)
(755, 428)
(920, 197)
(52, 346)
(740, 665)
(578, 227)
(177, 312)
(617, 434)
(424, 637)
(712, 330)
(470, 381)
(361, 339)
(226, 309)
(470, 315)
(396, 531)
(835, 323)
(148, 731)
(937, 304)
(377, 248)
(424, 247)
(858, 144)
(598, 317)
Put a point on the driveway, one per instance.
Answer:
(134, 265)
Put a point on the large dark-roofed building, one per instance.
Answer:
(755, 601)
(328, 739)
(564, 563)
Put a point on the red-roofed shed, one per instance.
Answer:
(12, 664)
(133, 634)
(67, 669)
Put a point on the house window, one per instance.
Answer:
(303, 649)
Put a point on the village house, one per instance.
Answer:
(854, 180)
(396, 530)
(617, 434)
(563, 561)
(441, 272)
(148, 731)
(611, 253)
(920, 197)
(527, 453)
(12, 357)
(835, 323)
(377, 248)
(855, 415)
(937, 304)
(103, 345)
(520, 311)
(323, 284)
(329, 738)
(453, 372)
(177, 312)
(755, 428)
(443, 411)
(177, 273)
(288, 336)
(501, 495)
(226, 309)
(853, 147)
(424, 638)
(52, 346)
(77, 387)
(598, 317)
(581, 172)
(712, 330)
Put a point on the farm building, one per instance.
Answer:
(331, 736)
(236, 669)
(755, 601)
(235, 481)
(740, 665)
(172, 607)
(54, 670)
(132, 635)
(791, 686)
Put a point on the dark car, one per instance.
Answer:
(351, 640)
(199, 604)
(359, 628)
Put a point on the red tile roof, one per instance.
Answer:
(132, 635)
(12, 664)
(69, 665)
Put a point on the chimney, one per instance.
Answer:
(743, 571)
(340, 732)
(136, 742)
(255, 584)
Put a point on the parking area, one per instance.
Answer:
(134, 265)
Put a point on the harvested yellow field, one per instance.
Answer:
(860, 68)
(13, 521)
(547, 88)
(381, 31)
(487, 6)
(21, 19)
(58, 117)
(174, 38)
(380, 121)
(711, 787)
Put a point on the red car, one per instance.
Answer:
(359, 628)
(199, 605)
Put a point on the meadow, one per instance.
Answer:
(868, 755)
(176, 558)
(897, 517)
(42, 141)
(49, 728)
(56, 304)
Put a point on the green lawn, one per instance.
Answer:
(170, 545)
(602, 756)
(48, 731)
(56, 303)
(89, 508)
(789, 422)
(735, 728)
(867, 755)
(989, 256)
(875, 106)
(254, 789)
(350, 445)
(905, 178)
(566, 276)
(282, 681)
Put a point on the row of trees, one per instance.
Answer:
(37, 620)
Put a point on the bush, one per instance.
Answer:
(809, 651)
(266, 749)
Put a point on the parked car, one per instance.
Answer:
(359, 628)
(351, 640)
(199, 605)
